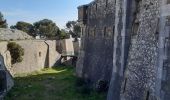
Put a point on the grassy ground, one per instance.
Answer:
(49, 84)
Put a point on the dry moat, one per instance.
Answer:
(58, 83)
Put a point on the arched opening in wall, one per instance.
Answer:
(3, 83)
(40, 54)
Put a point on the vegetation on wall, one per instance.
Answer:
(16, 52)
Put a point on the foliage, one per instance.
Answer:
(46, 28)
(50, 84)
(63, 34)
(24, 26)
(102, 86)
(74, 29)
(3, 23)
(79, 82)
(16, 52)
(83, 86)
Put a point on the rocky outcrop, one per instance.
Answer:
(13, 34)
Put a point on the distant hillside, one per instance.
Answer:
(13, 34)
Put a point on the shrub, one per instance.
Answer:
(102, 86)
(16, 52)
(83, 86)
(80, 82)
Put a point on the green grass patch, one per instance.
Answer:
(50, 84)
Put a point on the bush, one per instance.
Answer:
(83, 86)
(80, 81)
(16, 52)
(102, 86)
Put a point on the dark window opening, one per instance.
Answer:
(39, 54)
(135, 29)
(113, 30)
(96, 7)
(168, 1)
(124, 88)
(94, 32)
(107, 3)
(104, 31)
(147, 96)
(88, 33)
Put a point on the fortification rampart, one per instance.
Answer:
(140, 56)
(96, 53)
(38, 54)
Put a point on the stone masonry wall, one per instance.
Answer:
(38, 54)
(98, 42)
(7, 78)
(134, 61)
(141, 71)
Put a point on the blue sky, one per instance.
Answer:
(60, 11)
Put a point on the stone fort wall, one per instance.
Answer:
(38, 54)
(140, 56)
(5, 78)
(96, 54)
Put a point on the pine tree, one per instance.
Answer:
(3, 23)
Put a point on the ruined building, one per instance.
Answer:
(126, 43)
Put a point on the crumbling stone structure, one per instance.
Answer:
(140, 44)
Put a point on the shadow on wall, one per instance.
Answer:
(6, 80)
(69, 51)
